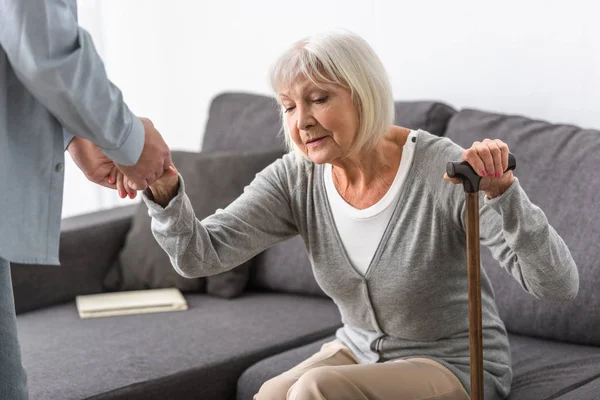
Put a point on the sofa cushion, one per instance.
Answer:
(88, 245)
(285, 268)
(243, 121)
(195, 354)
(213, 181)
(542, 369)
(556, 166)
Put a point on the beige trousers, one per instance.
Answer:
(335, 374)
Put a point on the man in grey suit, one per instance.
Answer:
(52, 82)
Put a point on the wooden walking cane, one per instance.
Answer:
(470, 180)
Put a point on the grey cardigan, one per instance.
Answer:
(412, 301)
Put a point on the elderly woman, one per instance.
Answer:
(384, 230)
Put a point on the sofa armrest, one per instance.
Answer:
(88, 245)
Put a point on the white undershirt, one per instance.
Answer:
(361, 230)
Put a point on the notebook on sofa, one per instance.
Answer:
(132, 302)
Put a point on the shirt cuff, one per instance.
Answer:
(67, 138)
(130, 151)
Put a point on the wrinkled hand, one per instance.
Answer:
(154, 160)
(489, 159)
(94, 164)
(166, 187)
(163, 189)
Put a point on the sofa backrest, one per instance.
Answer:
(556, 166)
(243, 121)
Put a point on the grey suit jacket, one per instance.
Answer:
(51, 81)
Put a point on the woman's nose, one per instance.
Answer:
(305, 118)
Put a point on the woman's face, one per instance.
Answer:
(323, 122)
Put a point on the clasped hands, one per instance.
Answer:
(154, 169)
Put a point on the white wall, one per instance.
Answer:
(540, 58)
(537, 57)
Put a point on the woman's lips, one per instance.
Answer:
(315, 142)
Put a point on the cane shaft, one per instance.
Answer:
(474, 287)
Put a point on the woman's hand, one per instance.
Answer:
(165, 187)
(489, 159)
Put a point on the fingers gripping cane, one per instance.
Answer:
(470, 180)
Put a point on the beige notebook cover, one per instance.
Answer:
(134, 302)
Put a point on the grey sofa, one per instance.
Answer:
(225, 349)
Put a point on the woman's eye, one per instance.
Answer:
(320, 100)
(288, 109)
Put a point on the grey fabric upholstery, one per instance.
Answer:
(542, 369)
(585, 391)
(88, 245)
(556, 165)
(194, 354)
(545, 369)
(285, 268)
(429, 116)
(242, 121)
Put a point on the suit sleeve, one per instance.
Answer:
(56, 61)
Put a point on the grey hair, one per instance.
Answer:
(342, 58)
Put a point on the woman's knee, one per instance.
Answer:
(275, 388)
(317, 383)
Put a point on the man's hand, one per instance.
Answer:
(96, 166)
(163, 189)
(155, 159)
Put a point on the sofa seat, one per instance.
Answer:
(547, 369)
(542, 369)
(195, 354)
